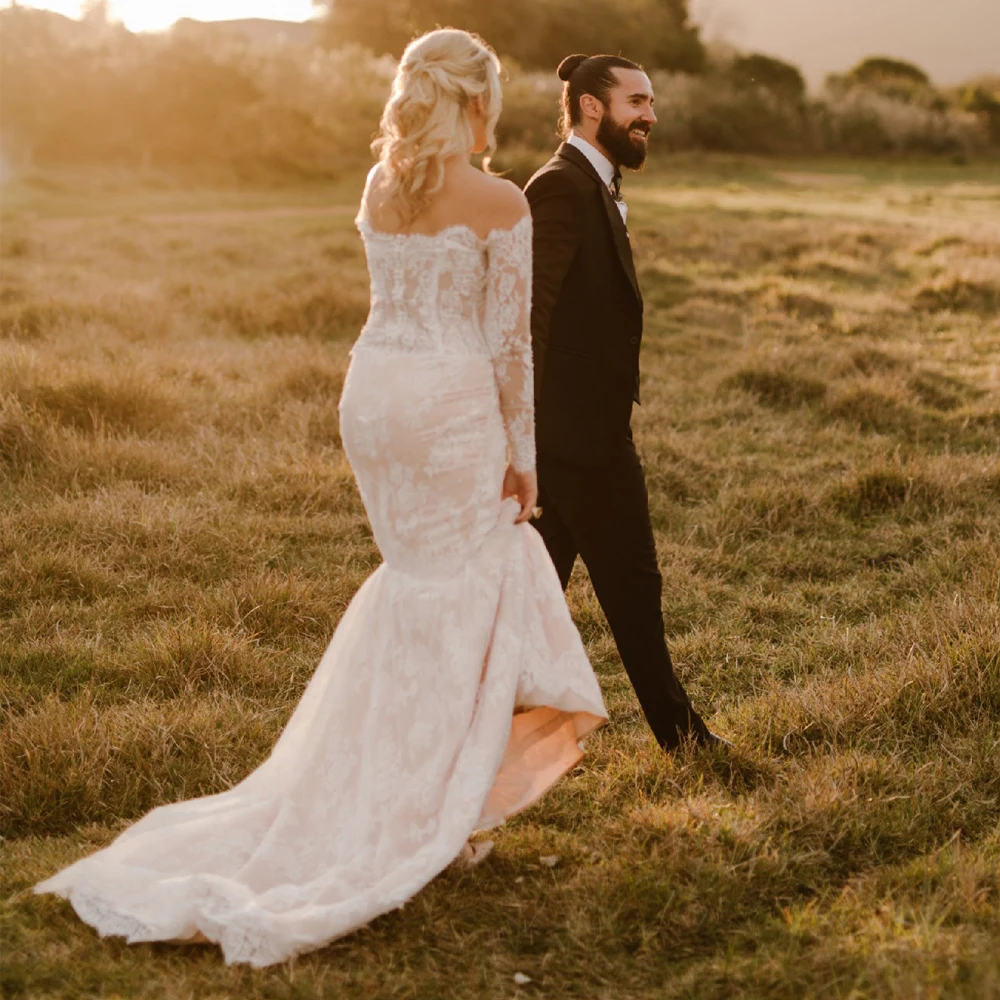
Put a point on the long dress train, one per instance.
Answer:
(455, 689)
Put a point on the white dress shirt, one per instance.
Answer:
(604, 167)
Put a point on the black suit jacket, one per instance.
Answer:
(586, 313)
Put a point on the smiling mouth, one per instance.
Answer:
(639, 133)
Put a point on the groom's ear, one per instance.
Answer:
(591, 107)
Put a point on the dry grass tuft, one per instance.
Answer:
(777, 388)
(805, 307)
(959, 295)
(872, 361)
(760, 512)
(314, 307)
(889, 491)
(14, 245)
(938, 391)
(931, 247)
(92, 405)
(21, 321)
(870, 409)
(311, 382)
(68, 763)
(24, 436)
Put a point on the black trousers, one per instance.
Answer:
(602, 515)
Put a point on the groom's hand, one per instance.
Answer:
(524, 486)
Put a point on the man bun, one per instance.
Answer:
(570, 63)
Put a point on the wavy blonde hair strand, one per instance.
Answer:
(425, 120)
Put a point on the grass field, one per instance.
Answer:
(180, 533)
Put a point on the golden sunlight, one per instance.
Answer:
(155, 15)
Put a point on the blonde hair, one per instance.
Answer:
(425, 120)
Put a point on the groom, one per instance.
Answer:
(586, 325)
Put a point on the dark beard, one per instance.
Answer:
(615, 138)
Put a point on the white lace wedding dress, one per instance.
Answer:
(455, 689)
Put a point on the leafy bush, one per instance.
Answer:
(985, 105)
(863, 122)
(879, 70)
(715, 113)
(655, 33)
(780, 78)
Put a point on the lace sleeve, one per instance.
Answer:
(508, 332)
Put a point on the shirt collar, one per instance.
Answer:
(604, 167)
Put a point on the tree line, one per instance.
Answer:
(535, 35)
(197, 101)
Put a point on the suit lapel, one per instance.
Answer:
(622, 243)
(618, 230)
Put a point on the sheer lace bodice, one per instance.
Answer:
(454, 293)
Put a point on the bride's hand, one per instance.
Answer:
(524, 486)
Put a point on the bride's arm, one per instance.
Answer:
(508, 330)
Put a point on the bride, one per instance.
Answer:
(456, 689)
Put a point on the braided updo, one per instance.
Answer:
(425, 121)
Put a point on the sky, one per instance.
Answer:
(154, 15)
(953, 41)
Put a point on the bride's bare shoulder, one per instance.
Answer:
(372, 196)
(501, 203)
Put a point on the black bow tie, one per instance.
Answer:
(616, 185)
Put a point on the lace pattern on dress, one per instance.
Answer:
(452, 292)
(508, 332)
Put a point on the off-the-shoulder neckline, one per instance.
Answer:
(455, 227)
